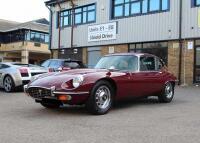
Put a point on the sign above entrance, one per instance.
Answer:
(102, 32)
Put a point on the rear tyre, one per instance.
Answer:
(101, 98)
(167, 93)
(50, 105)
(8, 84)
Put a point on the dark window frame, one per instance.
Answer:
(59, 15)
(30, 33)
(62, 17)
(113, 5)
(196, 4)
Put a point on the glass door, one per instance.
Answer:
(197, 65)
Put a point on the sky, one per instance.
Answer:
(23, 10)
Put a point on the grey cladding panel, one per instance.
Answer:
(151, 27)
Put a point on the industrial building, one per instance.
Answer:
(88, 29)
(24, 42)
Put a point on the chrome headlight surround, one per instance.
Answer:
(33, 78)
(77, 81)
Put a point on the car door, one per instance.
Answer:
(147, 79)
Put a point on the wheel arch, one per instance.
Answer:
(171, 81)
(111, 81)
(9, 76)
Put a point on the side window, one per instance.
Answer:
(45, 64)
(3, 66)
(147, 64)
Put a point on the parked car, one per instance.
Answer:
(55, 65)
(14, 75)
(115, 77)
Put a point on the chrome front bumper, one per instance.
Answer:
(53, 91)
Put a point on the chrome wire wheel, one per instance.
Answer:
(103, 97)
(8, 84)
(169, 90)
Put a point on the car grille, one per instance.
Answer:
(36, 92)
(36, 73)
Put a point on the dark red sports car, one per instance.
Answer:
(115, 77)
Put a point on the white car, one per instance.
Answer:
(14, 75)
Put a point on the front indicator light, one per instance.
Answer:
(64, 97)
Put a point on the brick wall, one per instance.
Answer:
(54, 54)
(187, 71)
(187, 67)
(85, 58)
(117, 49)
(173, 57)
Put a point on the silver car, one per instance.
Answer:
(13, 75)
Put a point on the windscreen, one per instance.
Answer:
(127, 63)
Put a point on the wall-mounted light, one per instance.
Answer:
(62, 51)
(75, 51)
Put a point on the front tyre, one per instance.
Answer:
(101, 98)
(8, 84)
(167, 93)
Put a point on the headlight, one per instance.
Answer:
(77, 81)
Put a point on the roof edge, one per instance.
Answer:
(53, 2)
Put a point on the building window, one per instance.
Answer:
(154, 5)
(136, 7)
(197, 2)
(37, 37)
(78, 16)
(159, 49)
(65, 18)
(82, 15)
(124, 8)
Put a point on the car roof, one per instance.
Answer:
(69, 60)
(9, 63)
(130, 54)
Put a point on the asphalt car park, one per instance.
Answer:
(141, 121)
